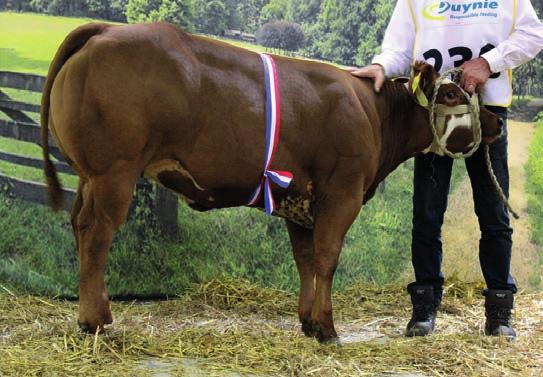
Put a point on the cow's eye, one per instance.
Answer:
(450, 95)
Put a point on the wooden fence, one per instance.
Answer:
(23, 128)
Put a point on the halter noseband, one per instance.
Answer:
(439, 112)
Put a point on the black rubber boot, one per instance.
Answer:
(498, 306)
(423, 319)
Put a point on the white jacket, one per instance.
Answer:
(507, 33)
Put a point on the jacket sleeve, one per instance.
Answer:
(397, 48)
(524, 43)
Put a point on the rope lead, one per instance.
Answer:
(499, 190)
(475, 111)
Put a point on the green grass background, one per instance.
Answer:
(37, 252)
(29, 41)
(534, 170)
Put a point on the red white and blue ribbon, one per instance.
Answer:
(273, 125)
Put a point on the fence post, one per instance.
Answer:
(166, 210)
(154, 205)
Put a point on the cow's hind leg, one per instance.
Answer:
(76, 208)
(333, 218)
(302, 247)
(105, 201)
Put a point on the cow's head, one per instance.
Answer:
(453, 115)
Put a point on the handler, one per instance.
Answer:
(487, 39)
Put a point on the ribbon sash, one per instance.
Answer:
(273, 125)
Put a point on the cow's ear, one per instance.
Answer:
(424, 76)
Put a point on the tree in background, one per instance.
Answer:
(211, 16)
(105, 9)
(287, 36)
(528, 79)
(39, 6)
(233, 20)
(306, 14)
(303, 12)
(98, 8)
(67, 7)
(249, 11)
(140, 10)
(16, 5)
(275, 10)
(373, 25)
(117, 9)
(179, 12)
(336, 34)
(269, 35)
(293, 36)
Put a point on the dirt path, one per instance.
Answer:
(461, 230)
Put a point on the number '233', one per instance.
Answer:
(464, 53)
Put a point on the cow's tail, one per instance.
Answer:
(73, 43)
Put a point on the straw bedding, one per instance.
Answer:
(233, 327)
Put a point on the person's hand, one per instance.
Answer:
(373, 71)
(474, 75)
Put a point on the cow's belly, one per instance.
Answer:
(172, 175)
(295, 209)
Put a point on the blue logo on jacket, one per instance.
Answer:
(436, 11)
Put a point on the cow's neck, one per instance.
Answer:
(404, 125)
(405, 129)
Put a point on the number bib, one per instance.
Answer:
(452, 32)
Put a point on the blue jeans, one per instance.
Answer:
(431, 187)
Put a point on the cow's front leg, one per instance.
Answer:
(332, 221)
(105, 201)
(302, 248)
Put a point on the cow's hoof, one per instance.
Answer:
(88, 328)
(335, 341)
(308, 329)
(92, 319)
(91, 329)
(324, 336)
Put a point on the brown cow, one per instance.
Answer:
(189, 112)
